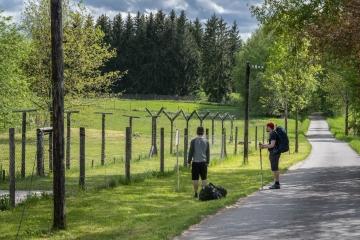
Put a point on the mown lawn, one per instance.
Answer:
(337, 126)
(149, 208)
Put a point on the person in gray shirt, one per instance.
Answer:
(199, 158)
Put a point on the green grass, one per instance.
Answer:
(149, 207)
(337, 126)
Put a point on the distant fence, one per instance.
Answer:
(158, 97)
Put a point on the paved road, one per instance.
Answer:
(319, 199)
(21, 196)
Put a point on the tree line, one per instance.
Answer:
(169, 54)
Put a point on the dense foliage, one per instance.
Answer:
(171, 55)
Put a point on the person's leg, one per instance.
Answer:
(196, 185)
(274, 160)
(203, 175)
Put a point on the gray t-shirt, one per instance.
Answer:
(199, 150)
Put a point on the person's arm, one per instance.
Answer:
(271, 145)
(208, 153)
(191, 151)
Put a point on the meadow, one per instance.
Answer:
(149, 207)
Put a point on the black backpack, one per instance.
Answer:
(211, 192)
(283, 138)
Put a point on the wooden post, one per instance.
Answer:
(236, 140)
(58, 114)
(68, 137)
(186, 143)
(50, 151)
(23, 138)
(103, 140)
(162, 150)
(171, 136)
(212, 131)
(154, 149)
(222, 151)
(103, 155)
(23, 145)
(82, 158)
(286, 117)
(256, 137)
(263, 135)
(297, 132)
(207, 134)
(225, 150)
(128, 150)
(3, 175)
(12, 166)
(347, 116)
(39, 152)
(231, 129)
(246, 115)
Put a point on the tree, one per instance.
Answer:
(14, 89)
(85, 52)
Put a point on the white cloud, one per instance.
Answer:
(176, 4)
(213, 6)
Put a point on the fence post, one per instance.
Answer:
(256, 137)
(232, 130)
(225, 151)
(39, 152)
(82, 158)
(128, 146)
(212, 131)
(12, 166)
(50, 151)
(207, 134)
(236, 140)
(3, 175)
(23, 145)
(186, 143)
(162, 150)
(222, 152)
(263, 135)
(171, 136)
(103, 140)
(68, 139)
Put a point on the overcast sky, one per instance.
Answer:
(230, 10)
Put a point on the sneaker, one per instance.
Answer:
(275, 186)
(196, 195)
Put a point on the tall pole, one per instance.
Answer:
(246, 120)
(297, 131)
(23, 145)
(59, 221)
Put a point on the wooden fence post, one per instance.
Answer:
(23, 145)
(186, 143)
(128, 147)
(68, 137)
(236, 140)
(263, 135)
(225, 150)
(12, 166)
(162, 150)
(207, 134)
(39, 152)
(82, 158)
(103, 140)
(232, 129)
(50, 152)
(212, 131)
(256, 137)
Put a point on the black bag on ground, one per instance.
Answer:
(211, 192)
(283, 140)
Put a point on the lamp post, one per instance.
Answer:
(246, 115)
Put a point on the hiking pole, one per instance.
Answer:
(177, 140)
(261, 168)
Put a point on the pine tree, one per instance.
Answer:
(105, 25)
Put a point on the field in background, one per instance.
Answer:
(337, 126)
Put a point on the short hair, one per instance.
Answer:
(200, 131)
(271, 125)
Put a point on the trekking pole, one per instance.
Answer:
(261, 168)
(177, 159)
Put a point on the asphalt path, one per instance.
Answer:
(319, 199)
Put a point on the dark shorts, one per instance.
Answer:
(199, 170)
(274, 161)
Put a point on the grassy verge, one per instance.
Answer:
(148, 209)
(337, 126)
